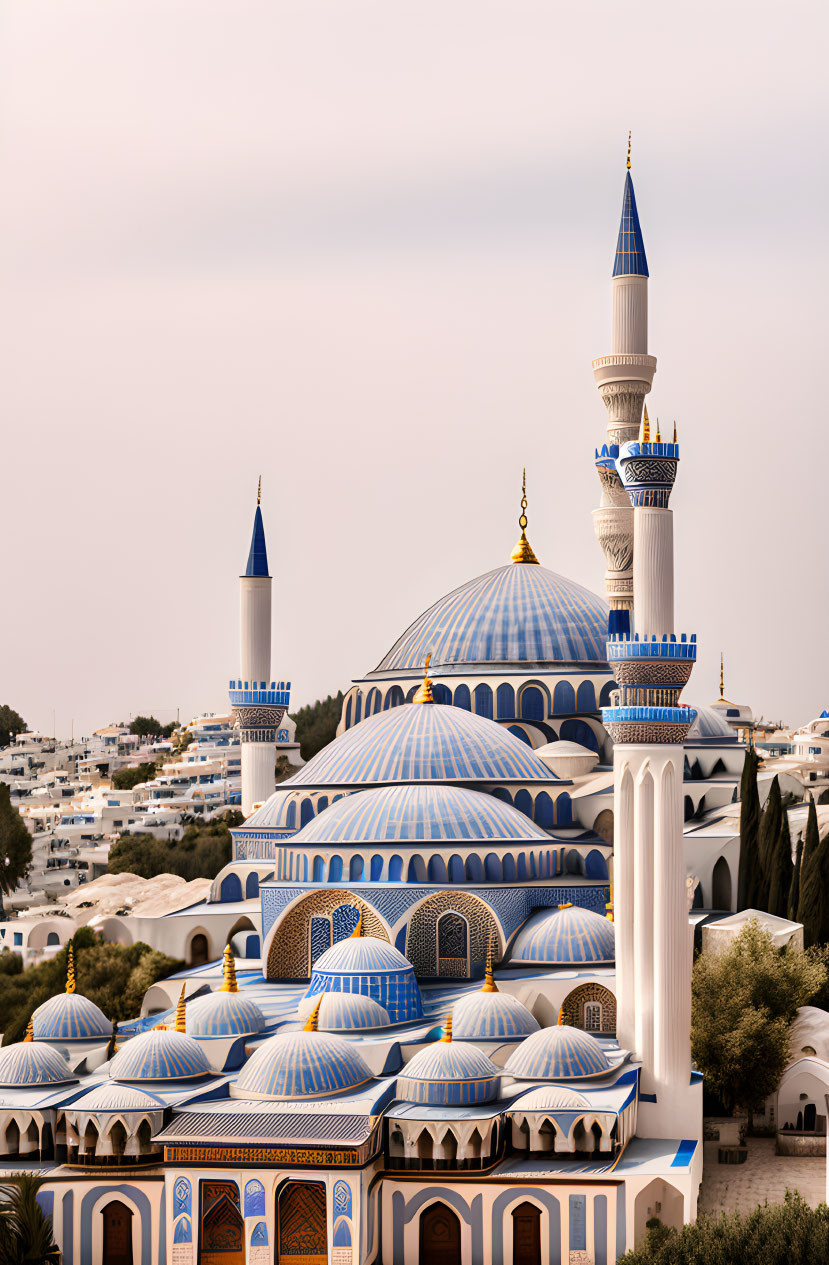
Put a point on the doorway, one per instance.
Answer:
(117, 1233)
(302, 1237)
(526, 1235)
(440, 1236)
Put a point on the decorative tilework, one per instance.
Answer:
(289, 956)
(342, 1199)
(254, 1199)
(181, 1197)
(421, 941)
(573, 1008)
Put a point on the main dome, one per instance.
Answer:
(517, 613)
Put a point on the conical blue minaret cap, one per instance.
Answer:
(258, 556)
(630, 258)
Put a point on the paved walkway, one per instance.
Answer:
(764, 1176)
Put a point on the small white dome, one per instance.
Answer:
(568, 759)
(160, 1055)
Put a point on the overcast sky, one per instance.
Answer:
(365, 249)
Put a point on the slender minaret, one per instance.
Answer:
(623, 379)
(648, 727)
(258, 703)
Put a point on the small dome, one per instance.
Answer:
(560, 937)
(568, 759)
(484, 1016)
(559, 1053)
(301, 1065)
(70, 1017)
(710, 726)
(345, 1012)
(114, 1097)
(362, 953)
(30, 1063)
(159, 1055)
(222, 1014)
(449, 1073)
(372, 967)
(551, 1098)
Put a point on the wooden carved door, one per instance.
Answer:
(117, 1234)
(303, 1238)
(526, 1235)
(440, 1236)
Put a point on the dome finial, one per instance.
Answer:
(259, 492)
(229, 968)
(645, 430)
(523, 550)
(629, 136)
(657, 437)
(358, 930)
(609, 906)
(722, 675)
(489, 985)
(70, 969)
(312, 1023)
(180, 1024)
(424, 694)
(447, 1028)
(30, 1031)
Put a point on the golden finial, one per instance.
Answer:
(568, 904)
(489, 985)
(629, 136)
(180, 1025)
(674, 432)
(560, 1020)
(259, 492)
(609, 906)
(358, 930)
(312, 1023)
(70, 969)
(645, 431)
(229, 968)
(658, 437)
(523, 550)
(424, 693)
(30, 1031)
(447, 1028)
(722, 675)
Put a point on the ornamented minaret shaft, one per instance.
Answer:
(623, 379)
(258, 703)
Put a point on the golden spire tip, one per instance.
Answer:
(30, 1031)
(523, 550)
(358, 930)
(645, 431)
(447, 1028)
(674, 432)
(180, 1024)
(229, 970)
(489, 985)
(312, 1023)
(70, 968)
(722, 675)
(629, 136)
(424, 693)
(259, 492)
(657, 437)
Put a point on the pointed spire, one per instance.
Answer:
(229, 971)
(609, 906)
(645, 429)
(70, 968)
(424, 693)
(630, 258)
(523, 550)
(180, 1024)
(447, 1028)
(259, 492)
(489, 985)
(30, 1031)
(629, 136)
(358, 930)
(722, 675)
(658, 437)
(258, 556)
(674, 432)
(312, 1023)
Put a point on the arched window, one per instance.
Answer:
(608, 688)
(306, 812)
(53, 938)
(483, 701)
(544, 810)
(506, 702)
(592, 1016)
(586, 697)
(437, 869)
(457, 873)
(721, 885)
(564, 699)
(252, 886)
(520, 733)
(595, 866)
(532, 703)
(463, 698)
(441, 693)
(395, 869)
(358, 707)
(524, 803)
(453, 945)
(356, 868)
(290, 816)
(335, 869)
(376, 868)
(198, 950)
(492, 868)
(319, 870)
(579, 731)
(231, 889)
(508, 867)
(118, 1138)
(417, 870)
(348, 713)
(394, 698)
(474, 868)
(503, 794)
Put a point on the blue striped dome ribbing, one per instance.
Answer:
(345, 1012)
(515, 614)
(301, 1065)
(160, 1055)
(559, 1053)
(32, 1063)
(359, 954)
(488, 1016)
(449, 1074)
(223, 1015)
(70, 1017)
(560, 937)
(400, 814)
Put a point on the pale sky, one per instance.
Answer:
(365, 249)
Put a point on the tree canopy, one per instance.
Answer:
(25, 1230)
(316, 724)
(125, 779)
(748, 877)
(11, 724)
(790, 1233)
(201, 852)
(743, 999)
(149, 727)
(15, 843)
(813, 905)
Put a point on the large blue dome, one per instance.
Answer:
(414, 814)
(449, 1074)
(516, 614)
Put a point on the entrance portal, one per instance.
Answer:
(301, 1232)
(526, 1235)
(117, 1233)
(440, 1236)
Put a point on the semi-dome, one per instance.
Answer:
(373, 968)
(160, 1055)
(708, 725)
(516, 614)
(224, 1015)
(490, 1014)
(416, 814)
(114, 1097)
(560, 937)
(449, 1073)
(559, 1053)
(70, 1017)
(345, 1012)
(301, 1065)
(30, 1063)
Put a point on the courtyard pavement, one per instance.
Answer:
(764, 1176)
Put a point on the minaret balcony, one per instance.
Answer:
(648, 472)
(624, 367)
(646, 726)
(259, 693)
(642, 664)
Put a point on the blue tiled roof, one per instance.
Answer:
(480, 1016)
(420, 742)
(70, 1017)
(630, 258)
(258, 556)
(399, 814)
(32, 1063)
(159, 1055)
(515, 614)
(302, 1065)
(559, 1053)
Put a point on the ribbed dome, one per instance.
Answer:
(114, 1097)
(32, 1063)
(709, 724)
(362, 953)
(551, 1098)
(373, 968)
(487, 1016)
(560, 937)
(516, 614)
(345, 1012)
(449, 1073)
(401, 814)
(222, 1014)
(70, 1017)
(301, 1065)
(159, 1055)
(560, 1053)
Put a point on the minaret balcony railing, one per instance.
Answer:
(619, 648)
(259, 693)
(646, 726)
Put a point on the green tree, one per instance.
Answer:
(810, 904)
(794, 890)
(15, 843)
(202, 851)
(782, 870)
(11, 724)
(743, 999)
(25, 1230)
(125, 779)
(146, 727)
(767, 838)
(749, 868)
(790, 1233)
(316, 724)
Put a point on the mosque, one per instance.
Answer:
(462, 1031)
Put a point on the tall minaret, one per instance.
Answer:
(258, 703)
(623, 379)
(648, 727)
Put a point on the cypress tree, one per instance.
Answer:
(794, 890)
(747, 873)
(809, 910)
(782, 870)
(767, 840)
